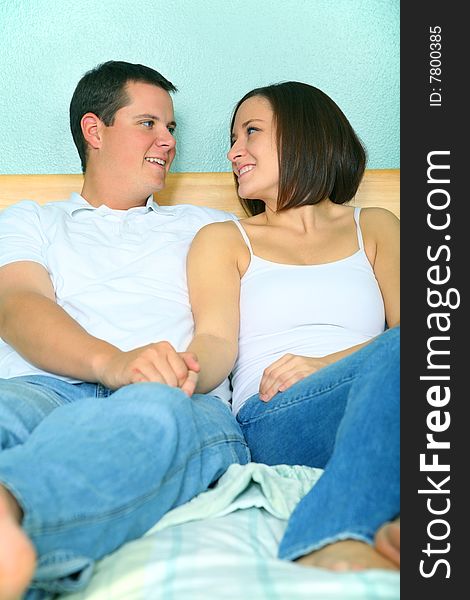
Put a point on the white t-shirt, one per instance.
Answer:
(121, 274)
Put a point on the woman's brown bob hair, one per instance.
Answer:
(319, 154)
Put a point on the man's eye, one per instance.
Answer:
(148, 124)
(172, 130)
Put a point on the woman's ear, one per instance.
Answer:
(91, 129)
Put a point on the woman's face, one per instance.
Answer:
(254, 151)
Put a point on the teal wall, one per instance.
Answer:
(213, 51)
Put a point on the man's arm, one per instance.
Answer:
(46, 336)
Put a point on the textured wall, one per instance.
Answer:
(213, 50)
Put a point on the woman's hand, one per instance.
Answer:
(286, 371)
(291, 368)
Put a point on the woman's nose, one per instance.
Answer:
(235, 151)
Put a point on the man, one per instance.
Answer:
(100, 431)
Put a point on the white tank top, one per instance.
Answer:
(310, 310)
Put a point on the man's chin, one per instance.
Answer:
(156, 185)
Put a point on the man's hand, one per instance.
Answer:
(158, 363)
(190, 384)
(286, 371)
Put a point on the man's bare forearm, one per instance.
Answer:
(47, 337)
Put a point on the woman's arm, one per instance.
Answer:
(214, 292)
(381, 230)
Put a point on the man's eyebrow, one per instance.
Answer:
(155, 118)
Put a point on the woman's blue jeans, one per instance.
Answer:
(93, 469)
(346, 419)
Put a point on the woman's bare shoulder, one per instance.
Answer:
(220, 229)
(379, 216)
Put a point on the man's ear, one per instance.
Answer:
(91, 128)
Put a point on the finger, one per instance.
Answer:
(271, 392)
(191, 361)
(154, 367)
(158, 354)
(272, 372)
(266, 382)
(273, 378)
(284, 379)
(289, 382)
(145, 374)
(136, 377)
(189, 385)
(159, 366)
(179, 367)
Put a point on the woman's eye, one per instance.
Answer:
(251, 129)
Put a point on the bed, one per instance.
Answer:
(222, 545)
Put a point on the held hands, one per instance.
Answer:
(158, 363)
(286, 371)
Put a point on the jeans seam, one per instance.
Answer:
(295, 400)
(54, 397)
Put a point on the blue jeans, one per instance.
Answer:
(92, 468)
(346, 419)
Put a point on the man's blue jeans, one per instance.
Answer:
(346, 419)
(93, 469)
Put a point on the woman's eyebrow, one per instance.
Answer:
(250, 121)
(243, 125)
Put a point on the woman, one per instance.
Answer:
(294, 302)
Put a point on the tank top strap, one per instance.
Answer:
(357, 212)
(244, 236)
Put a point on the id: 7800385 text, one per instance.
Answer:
(435, 65)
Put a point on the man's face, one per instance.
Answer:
(138, 149)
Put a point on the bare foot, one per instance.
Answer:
(387, 541)
(17, 555)
(347, 555)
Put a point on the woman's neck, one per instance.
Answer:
(302, 218)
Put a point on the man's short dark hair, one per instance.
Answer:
(102, 91)
(319, 154)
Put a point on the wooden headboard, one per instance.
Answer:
(380, 187)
